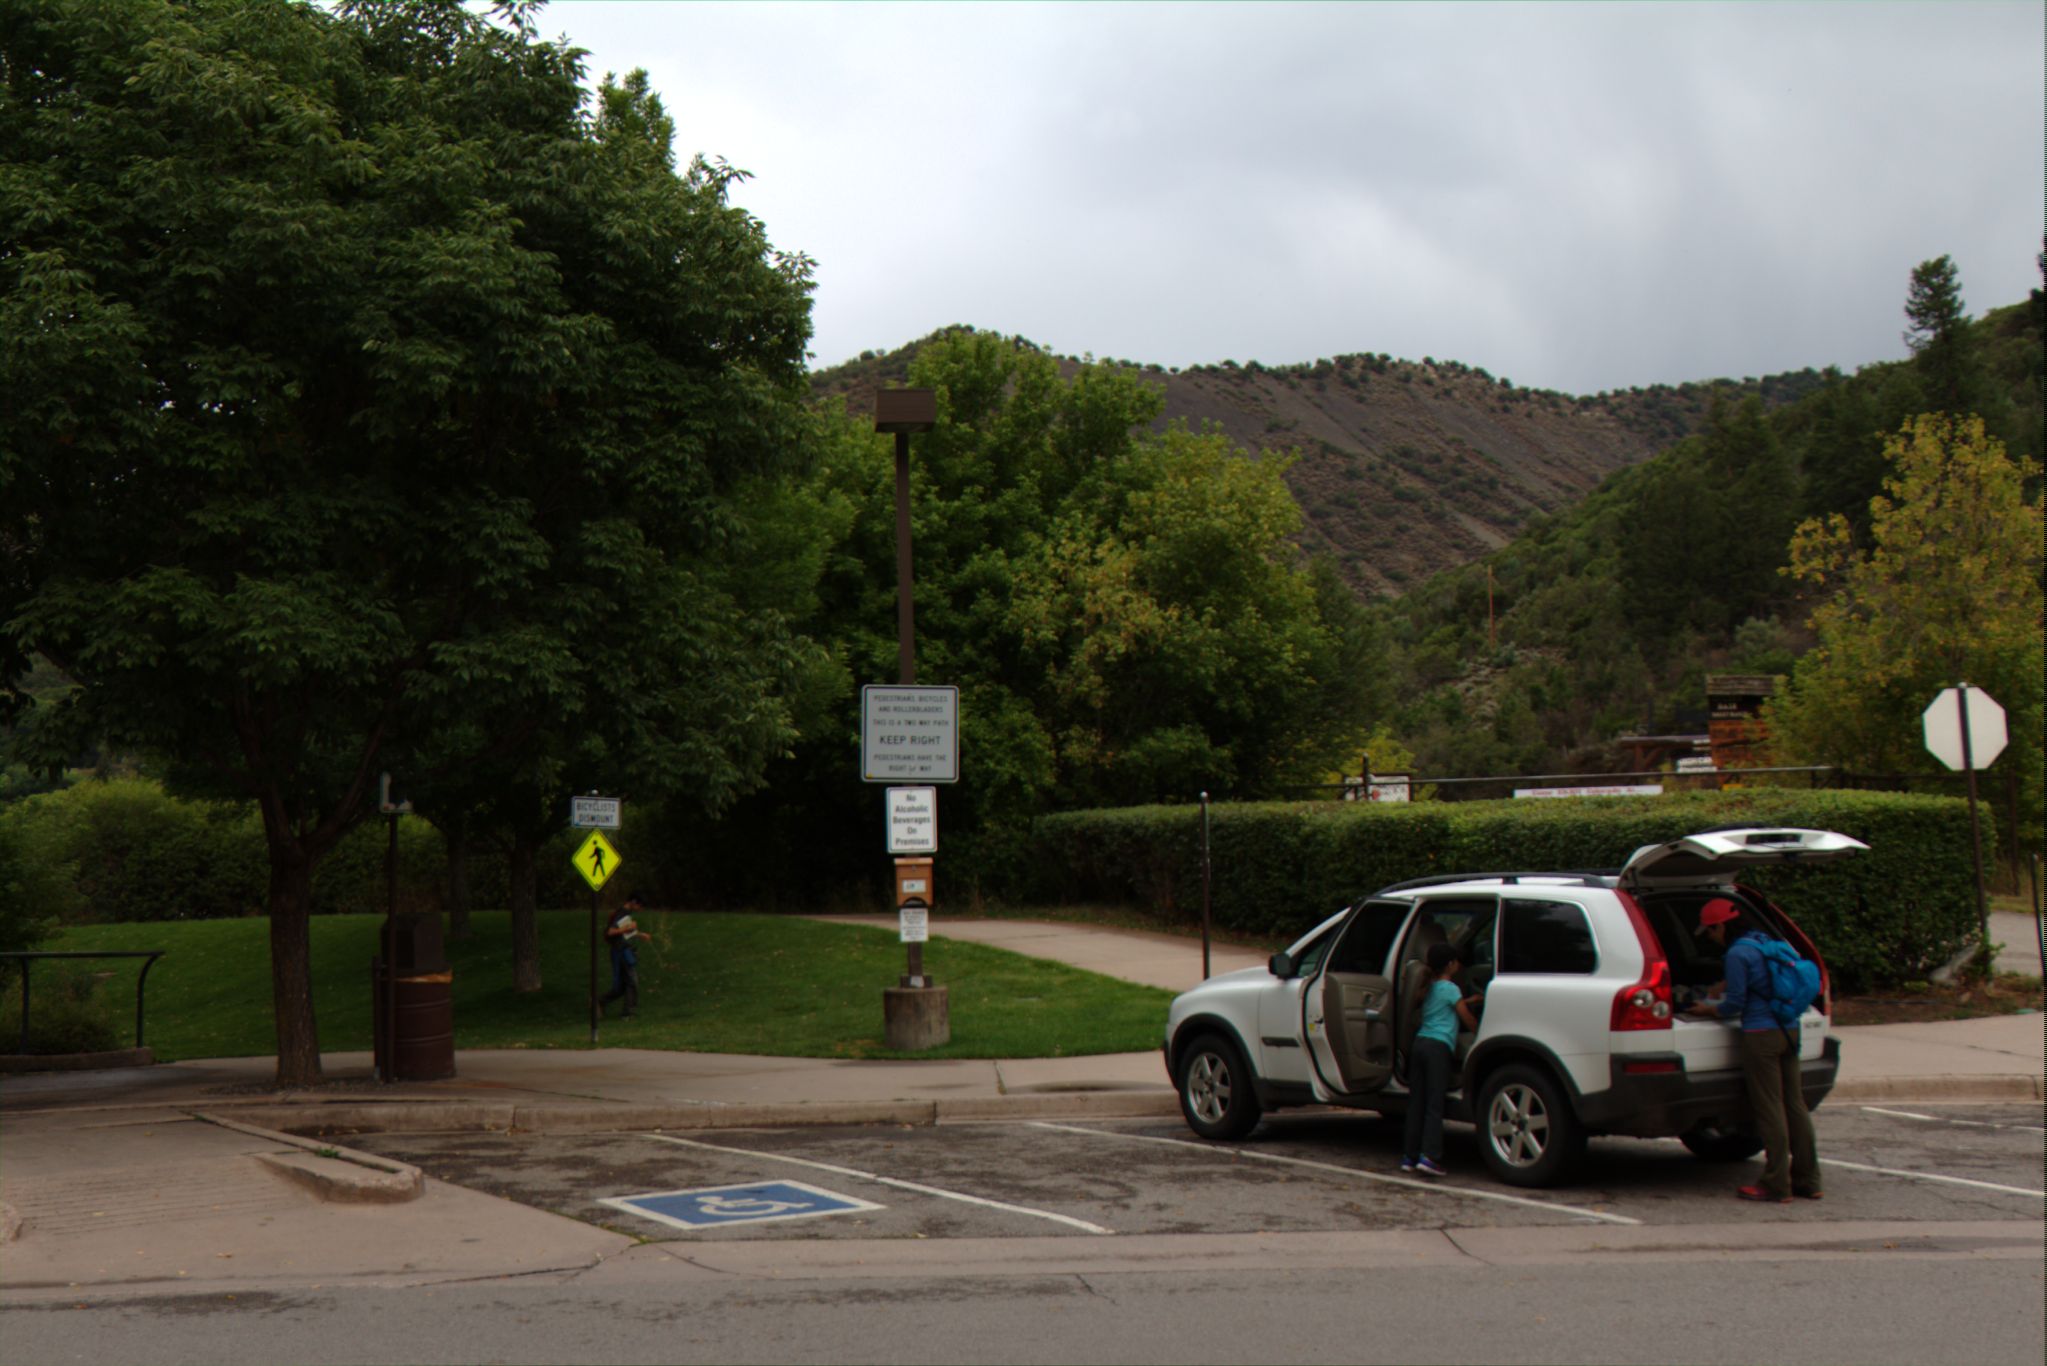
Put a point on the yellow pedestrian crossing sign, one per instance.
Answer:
(596, 860)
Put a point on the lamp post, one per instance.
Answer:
(915, 1014)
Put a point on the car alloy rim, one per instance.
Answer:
(1519, 1125)
(1208, 1087)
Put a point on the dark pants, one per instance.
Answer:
(1769, 1063)
(1428, 1081)
(625, 981)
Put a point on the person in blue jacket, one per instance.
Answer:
(1769, 1061)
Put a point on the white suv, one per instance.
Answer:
(1584, 975)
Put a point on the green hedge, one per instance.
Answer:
(1880, 919)
(124, 850)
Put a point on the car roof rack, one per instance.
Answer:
(1569, 877)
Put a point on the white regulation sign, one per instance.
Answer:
(913, 820)
(909, 734)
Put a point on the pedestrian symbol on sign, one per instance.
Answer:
(596, 860)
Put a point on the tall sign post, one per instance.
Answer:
(910, 734)
(596, 860)
(1965, 730)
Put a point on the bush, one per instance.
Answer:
(68, 1013)
(1880, 919)
(125, 850)
(29, 894)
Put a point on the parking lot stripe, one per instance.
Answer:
(1934, 1176)
(1409, 1183)
(1944, 1119)
(1081, 1224)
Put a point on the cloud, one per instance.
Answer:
(1580, 196)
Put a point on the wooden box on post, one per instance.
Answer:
(916, 1013)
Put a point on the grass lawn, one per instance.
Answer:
(776, 985)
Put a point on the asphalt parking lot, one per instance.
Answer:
(1304, 1172)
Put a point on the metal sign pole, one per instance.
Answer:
(1204, 886)
(595, 897)
(1975, 828)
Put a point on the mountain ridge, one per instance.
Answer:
(1403, 468)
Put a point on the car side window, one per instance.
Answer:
(1310, 956)
(1545, 936)
(1368, 937)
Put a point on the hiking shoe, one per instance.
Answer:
(1758, 1193)
(1814, 1194)
(1428, 1168)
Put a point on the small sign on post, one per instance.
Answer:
(913, 820)
(596, 860)
(1965, 730)
(594, 813)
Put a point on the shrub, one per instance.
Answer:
(1880, 918)
(68, 1013)
(124, 850)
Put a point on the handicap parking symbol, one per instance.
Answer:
(716, 1206)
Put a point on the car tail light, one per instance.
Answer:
(1646, 1004)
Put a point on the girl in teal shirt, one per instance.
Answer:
(1429, 1060)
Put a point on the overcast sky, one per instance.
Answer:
(1579, 197)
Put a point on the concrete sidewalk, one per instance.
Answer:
(148, 1176)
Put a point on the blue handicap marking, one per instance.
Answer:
(717, 1206)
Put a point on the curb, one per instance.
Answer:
(11, 1063)
(2010, 1086)
(311, 1125)
(306, 1125)
(333, 1174)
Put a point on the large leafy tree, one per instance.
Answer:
(1948, 590)
(1123, 608)
(361, 375)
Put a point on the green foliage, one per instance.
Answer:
(776, 986)
(1123, 609)
(124, 850)
(1668, 570)
(1938, 335)
(72, 1009)
(1947, 590)
(365, 379)
(1277, 869)
(29, 891)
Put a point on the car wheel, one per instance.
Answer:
(1712, 1143)
(1527, 1132)
(1216, 1094)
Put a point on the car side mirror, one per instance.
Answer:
(1282, 966)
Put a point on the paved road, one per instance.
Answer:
(1300, 1174)
(1436, 1303)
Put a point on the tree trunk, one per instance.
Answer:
(457, 839)
(525, 918)
(291, 964)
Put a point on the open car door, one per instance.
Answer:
(1347, 1012)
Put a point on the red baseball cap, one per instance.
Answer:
(1718, 911)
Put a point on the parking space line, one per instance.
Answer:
(1410, 1183)
(1066, 1219)
(1933, 1176)
(1944, 1119)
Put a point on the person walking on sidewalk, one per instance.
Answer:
(1769, 1061)
(1429, 1062)
(620, 932)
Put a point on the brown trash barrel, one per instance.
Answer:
(423, 1027)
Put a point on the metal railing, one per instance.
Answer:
(27, 959)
